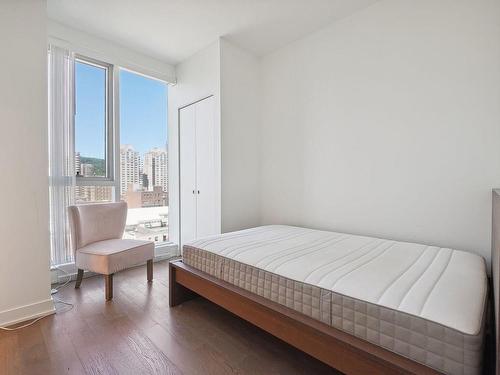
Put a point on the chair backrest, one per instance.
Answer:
(96, 222)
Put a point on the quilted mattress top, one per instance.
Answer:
(439, 284)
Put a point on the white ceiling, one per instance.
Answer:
(172, 30)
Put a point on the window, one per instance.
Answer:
(90, 162)
(141, 149)
(93, 120)
(93, 131)
(143, 156)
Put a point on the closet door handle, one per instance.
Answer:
(198, 192)
(194, 192)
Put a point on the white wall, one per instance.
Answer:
(104, 50)
(198, 77)
(232, 76)
(24, 227)
(387, 123)
(240, 137)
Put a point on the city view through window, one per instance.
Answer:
(142, 152)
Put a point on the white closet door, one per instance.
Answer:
(206, 158)
(187, 158)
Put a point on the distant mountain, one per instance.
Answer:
(99, 165)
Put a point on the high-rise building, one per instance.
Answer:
(130, 165)
(77, 163)
(87, 170)
(141, 173)
(86, 194)
(155, 168)
(144, 181)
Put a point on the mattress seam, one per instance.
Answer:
(336, 241)
(321, 241)
(341, 257)
(402, 274)
(363, 264)
(218, 238)
(436, 282)
(261, 243)
(357, 258)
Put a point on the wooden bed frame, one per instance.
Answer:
(336, 348)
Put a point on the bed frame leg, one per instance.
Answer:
(177, 292)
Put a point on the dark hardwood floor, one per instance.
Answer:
(137, 333)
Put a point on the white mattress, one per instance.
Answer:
(424, 302)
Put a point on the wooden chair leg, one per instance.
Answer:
(150, 270)
(109, 287)
(79, 278)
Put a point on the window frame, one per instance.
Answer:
(112, 178)
(111, 126)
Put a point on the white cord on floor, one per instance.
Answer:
(55, 299)
(25, 325)
(67, 281)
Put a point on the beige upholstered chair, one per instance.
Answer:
(97, 231)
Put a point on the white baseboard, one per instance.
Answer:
(27, 312)
(46, 307)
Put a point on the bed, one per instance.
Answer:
(360, 304)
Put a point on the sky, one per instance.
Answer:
(143, 111)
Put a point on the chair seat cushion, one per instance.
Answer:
(110, 256)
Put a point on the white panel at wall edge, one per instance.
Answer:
(24, 269)
(27, 312)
